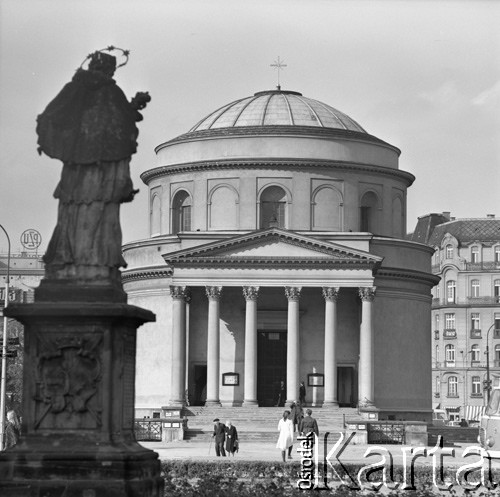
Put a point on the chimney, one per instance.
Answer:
(447, 215)
(490, 216)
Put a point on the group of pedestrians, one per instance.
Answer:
(294, 421)
(225, 434)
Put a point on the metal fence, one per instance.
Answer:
(148, 430)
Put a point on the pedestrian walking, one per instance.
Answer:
(280, 402)
(285, 439)
(308, 424)
(220, 435)
(231, 438)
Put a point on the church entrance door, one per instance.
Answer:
(271, 365)
(200, 385)
(346, 386)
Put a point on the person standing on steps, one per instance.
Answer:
(220, 436)
(302, 394)
(309, 425)
(285, 439)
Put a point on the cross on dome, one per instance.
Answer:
(278, 64)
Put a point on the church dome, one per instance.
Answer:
(277, 108)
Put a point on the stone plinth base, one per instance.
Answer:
(330, 405)
(250, 403)
(78, 404)
(57, 468)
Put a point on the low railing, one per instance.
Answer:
(148, 430)
(450, 333)
(478, 266)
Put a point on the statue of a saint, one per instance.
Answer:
(90, 127)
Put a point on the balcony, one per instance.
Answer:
(451, 333)
(481, 266)
(475, 333)
(436, 334)
(482, 300)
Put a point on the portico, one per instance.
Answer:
(324, 269)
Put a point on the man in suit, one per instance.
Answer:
(220, 436)
(308, 424)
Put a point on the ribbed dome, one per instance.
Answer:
(277, 107)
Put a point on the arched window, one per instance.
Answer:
(273, 207)
(474, 288)
(369, 206)
(155, 215)
(223, 209)
(451, 291)
(450, 355)
(474, 254)
(397, 218)
(326, 209)
(449, 251)
(181, 212)
(452, 386)
(475, 353)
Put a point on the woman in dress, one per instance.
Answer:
(231, 438)
(285, 440)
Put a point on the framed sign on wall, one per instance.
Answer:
(231, 379)
(315, 380)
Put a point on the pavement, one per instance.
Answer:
(255, 451)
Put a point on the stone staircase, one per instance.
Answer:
(258, 424)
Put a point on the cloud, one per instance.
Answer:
(490, 96)
(445, 94)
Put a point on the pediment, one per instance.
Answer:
(272, 246)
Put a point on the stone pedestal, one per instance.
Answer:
(78, 405)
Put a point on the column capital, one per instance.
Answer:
(213, 292)
(331, 293)
(250, 292)
(178, 292)
(293, 292)
(367, 294)
(188, 296)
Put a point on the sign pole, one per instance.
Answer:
(4, 349)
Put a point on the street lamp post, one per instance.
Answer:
(3, 380)
(488, 381)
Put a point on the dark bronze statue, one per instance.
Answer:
(90, 126)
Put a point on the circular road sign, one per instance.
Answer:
(31, 239)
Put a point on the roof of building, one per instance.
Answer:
(277, 107)
(464, 230)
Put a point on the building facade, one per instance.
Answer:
(465, 310)
(277, 253)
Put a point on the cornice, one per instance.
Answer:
(269, 262)
(146, 274)
(277, 130)
(266, 163)
(407, 274)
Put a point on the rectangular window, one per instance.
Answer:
(474, 254)
(476, 385)
(449, 320)
(475, 323)
(474, 288)
(452, 386)
(436, 322)
(497, 322)
(186, 218)
(497, 253)
(451, 288)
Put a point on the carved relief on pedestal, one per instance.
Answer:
(67, 375)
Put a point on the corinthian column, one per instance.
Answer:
(250, 383)
(292, 346)
(213, 346)
(330, 366)
(366, 380)
(178, 378)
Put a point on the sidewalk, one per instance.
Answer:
(254, 451)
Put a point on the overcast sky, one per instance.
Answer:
(421, 75)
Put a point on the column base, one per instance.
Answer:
(250, 403)
(212, 403)
(331, 404)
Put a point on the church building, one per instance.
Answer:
(277, 253)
